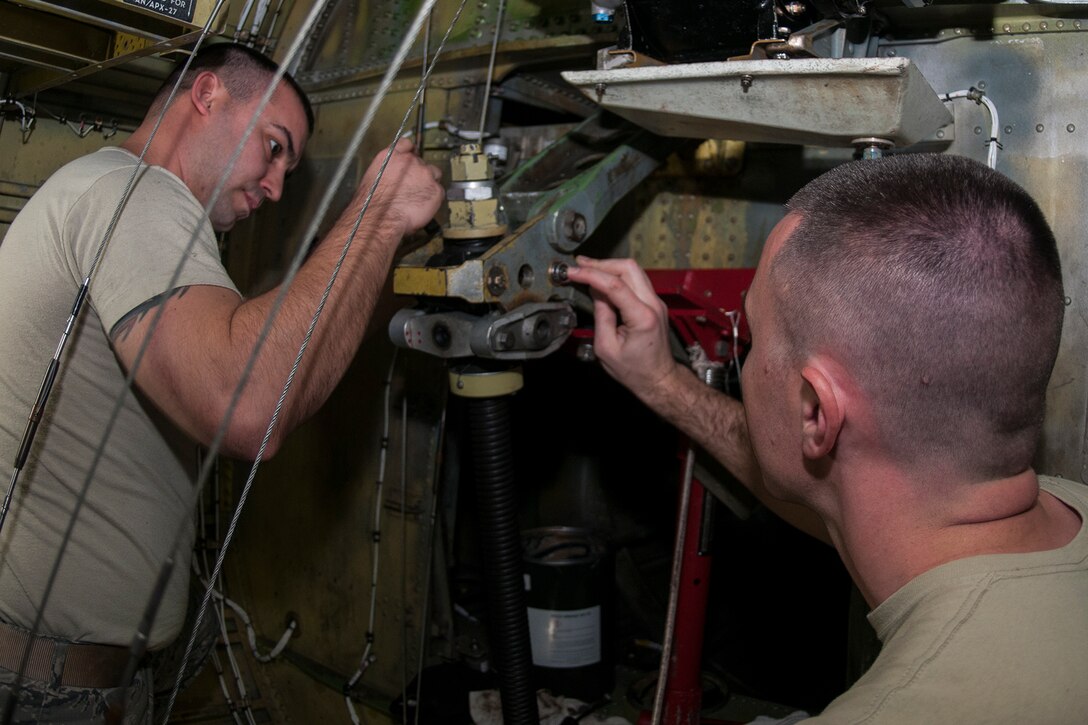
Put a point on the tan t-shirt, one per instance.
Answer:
(137, 497)
(1001, 638)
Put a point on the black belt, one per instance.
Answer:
(57, 661)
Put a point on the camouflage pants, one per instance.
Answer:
(43, 703)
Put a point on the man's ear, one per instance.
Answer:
(206, 90)
(822, 412)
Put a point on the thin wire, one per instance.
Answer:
(220, 675)
(82, 497)
(404, 555)
(697, 353)
(375, 533)
(114, 126)
(376, 537)
(980, 97)
(432, 523)
(139, 643)
(674, 585)
(423, 97)
(221, 613)
(491, 68)
(51, 372)
(224, 637)
(46, 387)
(734, 320)
(386, 83)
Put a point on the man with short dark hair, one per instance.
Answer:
(245, 71)
(888, 409)
(198, 349)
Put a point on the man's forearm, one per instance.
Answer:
(716, 422)
(340, 330)
(712, 420)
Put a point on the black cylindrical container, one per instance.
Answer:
(568, 583)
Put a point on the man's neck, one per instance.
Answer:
(164, 150)
(135, 143)
(891, 527)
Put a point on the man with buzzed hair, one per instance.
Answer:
(932, 280)
(243, 69)
(187, 377)
(905, 319)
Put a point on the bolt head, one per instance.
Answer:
(496, 281)
(574, 226)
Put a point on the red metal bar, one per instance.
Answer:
(684, 689)
(705, 306)
(700, 303)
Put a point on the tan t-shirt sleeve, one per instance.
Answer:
(162, 240)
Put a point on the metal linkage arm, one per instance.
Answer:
(554, 222)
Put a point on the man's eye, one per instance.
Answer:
(274, 147)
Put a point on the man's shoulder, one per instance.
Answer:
(98, 171)
(109, 170)
(1071, 492)
(91, 187)
(97, 163)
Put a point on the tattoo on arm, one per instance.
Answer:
(124, 326)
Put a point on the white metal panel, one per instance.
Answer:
(818, 101)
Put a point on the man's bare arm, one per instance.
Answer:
(206, 333)
(631, 341)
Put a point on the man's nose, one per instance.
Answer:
(272, 184)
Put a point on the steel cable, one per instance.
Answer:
(491, 68)
(140, 638)
(139, 643)
(356, 140)
(50, 376)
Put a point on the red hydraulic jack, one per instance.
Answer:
(704, 308)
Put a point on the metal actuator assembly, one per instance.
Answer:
(487, 292)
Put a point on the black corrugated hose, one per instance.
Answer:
(492, 449)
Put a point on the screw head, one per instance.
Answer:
(574, 226)
(496, 280)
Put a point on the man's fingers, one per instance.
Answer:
(606, 284)
(629, 271)
(634, 310)
(604, 317)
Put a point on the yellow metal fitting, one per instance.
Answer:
(473, 382)
(473, 199)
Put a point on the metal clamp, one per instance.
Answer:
(530, 331)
